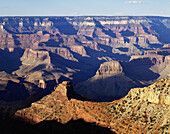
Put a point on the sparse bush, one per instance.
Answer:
(124, 101)
(122, 110)
(139, 107)
(114, 108)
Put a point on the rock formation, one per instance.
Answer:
(54, 49)
(108, 84)
(78, 49)
(37, 53)
(166, 45)
(13, 89)
(114, 79)
(110, 68)
(31, 57)
(141, 110)
(116, 32)
(156, 59)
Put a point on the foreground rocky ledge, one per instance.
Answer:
(144, 110)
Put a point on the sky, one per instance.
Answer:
(85, 8)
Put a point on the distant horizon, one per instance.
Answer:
(85, 8)
(87, 16)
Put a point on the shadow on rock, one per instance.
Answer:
(12, 126)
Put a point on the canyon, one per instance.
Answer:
(94, 71)
(45, 51)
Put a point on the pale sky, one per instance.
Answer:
(85, 8)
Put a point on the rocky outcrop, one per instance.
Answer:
(110, 68)
(167, 59)
(57, 101)
(42, 84)
(31, 57)
(147, 68)
(63, 88)
(159, 51)
(65, 53)
(108, 84)
(35, 63)
(145, 59)
(141, 110)
(78, 49)
(5, 76)
(155, 56)
(6, 40)
(157, 93)
(114, 79)
(38, 65)
(166, 45)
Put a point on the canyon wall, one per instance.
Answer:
(53, 49)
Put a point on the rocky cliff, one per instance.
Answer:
(31, 57)
(114, 79)
(157, 60)
(110, 68)
(142, 110)
(108, 84)
(126, 35)
(37, 53)
(44, 50)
